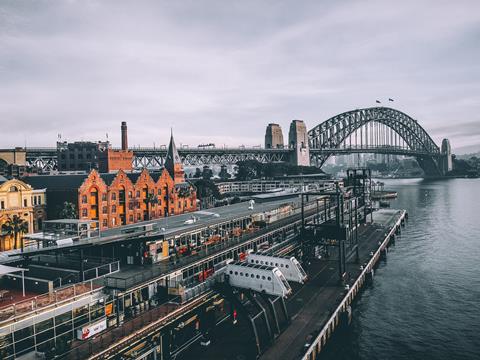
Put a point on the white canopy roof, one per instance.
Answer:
(9, 269)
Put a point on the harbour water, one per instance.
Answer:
(425, 302)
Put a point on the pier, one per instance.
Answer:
(318, 308)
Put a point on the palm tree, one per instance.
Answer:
(150, 200)
(15, 226)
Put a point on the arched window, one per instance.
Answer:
(13, 189)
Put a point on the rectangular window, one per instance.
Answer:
(25, 203)
(84, 212)
(129, 194)
(114, 209)
(105, 223)
(104, 197)
(2, 205)
(84, 199)
(114, 196)
(138, 193)
(159, 192)
(105, 210)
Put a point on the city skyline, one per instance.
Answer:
(219, 72)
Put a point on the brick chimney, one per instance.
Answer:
(124, 136)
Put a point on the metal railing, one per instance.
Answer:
(21, 309)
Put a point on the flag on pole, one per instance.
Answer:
(378, 101)
(390, 99)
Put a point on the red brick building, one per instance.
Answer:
(123, 198)
(113, 160)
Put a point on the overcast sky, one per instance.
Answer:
(219, 71)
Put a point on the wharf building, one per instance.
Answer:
(20, 206)
(95, 290)
(122, 197)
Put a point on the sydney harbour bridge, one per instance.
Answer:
(378, 130)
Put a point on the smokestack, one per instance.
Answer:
(124, 136)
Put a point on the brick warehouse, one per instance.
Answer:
(123, 197)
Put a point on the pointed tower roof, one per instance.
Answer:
(172, 157)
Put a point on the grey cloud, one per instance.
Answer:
(219, 71)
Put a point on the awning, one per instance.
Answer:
(9, 269)
(4, 269)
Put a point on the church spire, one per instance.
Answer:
(173, 162)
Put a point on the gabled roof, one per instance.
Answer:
(172, 157)
(156, 175)
(133, 176)
(108, 178)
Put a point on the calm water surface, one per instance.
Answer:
(425, 302)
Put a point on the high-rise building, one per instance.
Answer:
(298, 141)
(273, 137)
(79, 155)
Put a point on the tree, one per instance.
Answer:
(249, 170)
(207, 188)
(15, 226)
(207, 173)
(198, 173)
(150, 200)
(68, 211)
(224, 174)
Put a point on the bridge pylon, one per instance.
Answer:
(446, 160)
(298, 143)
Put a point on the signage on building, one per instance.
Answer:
(90, 330)
(109, 309)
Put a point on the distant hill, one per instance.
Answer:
(468, 156)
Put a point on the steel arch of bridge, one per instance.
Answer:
(326, 138)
